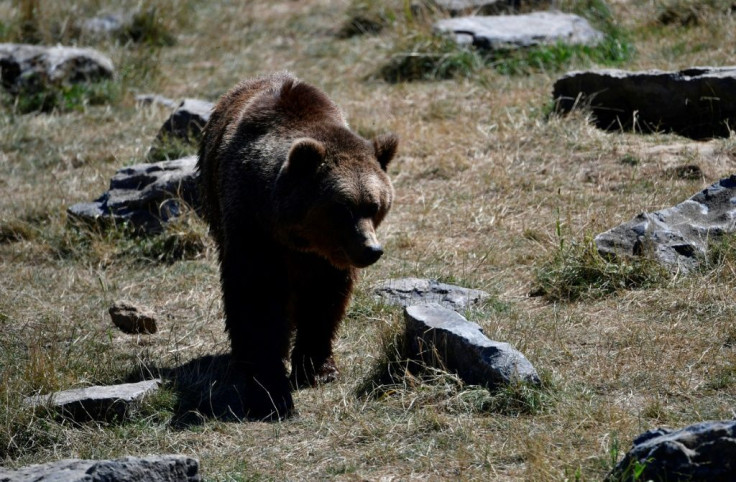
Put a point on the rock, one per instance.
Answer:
(144, 195)
(187, 121)
(105, 25)
(33, 67)
(148, 99)
(414, 291)
(514, 31)
(130, 319)
(484, 7)
(698, 102)
(97, 402)
(433, 332)
(154, 468)
(677, 237)
(704, 451)
(183, 127)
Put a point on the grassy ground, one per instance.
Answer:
(491, 193)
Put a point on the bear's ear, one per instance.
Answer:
(385, 147)
(305, 155)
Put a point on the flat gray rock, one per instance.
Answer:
(699, 102)
(514, 31)
(97, 402)
(132, 319)
(704, 451)
(433, 331)
(154, 468)
(144, 195)
(414, 291)
(677, 237)
(25, 66)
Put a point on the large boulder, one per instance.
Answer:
(514, 31)
(154, 468)
(698, 102)
(31, 67)
(144, 195)
(441, 337)
(704, 451)
(484, 7)
(677, 237)
(96, 402)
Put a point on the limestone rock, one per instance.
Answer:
(435, 332)
(704, 451)
(188, 120)
(677, 237)
(699, 102)
(154, 468)
(105, 25)
(131, 319)
(148, 99)
(97, 402)
(29, 67)
(414, 291)
(514, 31)
(145, 195)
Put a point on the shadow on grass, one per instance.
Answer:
(205, 388)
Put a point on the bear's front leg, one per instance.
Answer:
(254, 297)
(319, 298)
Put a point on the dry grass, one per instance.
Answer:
(489, 192)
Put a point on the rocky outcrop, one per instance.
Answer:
(113, 402)
(485, 7)
(677, 237)
(184, 125)
(440, 337)
(131, 319)
(415, 291)
(518, 31)
(31, 67)
(154, 468)
(699, 102)
(144, 195)
(704, 451)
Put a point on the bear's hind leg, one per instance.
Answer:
(319, 297)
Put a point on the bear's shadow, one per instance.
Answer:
(205, 388)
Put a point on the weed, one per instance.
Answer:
(688, 13)
(367, 17)
(64, 97)
(577, 271)
(148, 27)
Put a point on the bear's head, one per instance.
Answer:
(331, 194)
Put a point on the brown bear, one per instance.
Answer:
(293, 198)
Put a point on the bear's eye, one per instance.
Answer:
(369, 210)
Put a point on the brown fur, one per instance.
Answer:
(293, 198)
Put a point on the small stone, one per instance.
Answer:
(153, 468)
(414, 291)
(96, 402)
(187, 121)
(434, 332)
(131, 319)
(704, 451)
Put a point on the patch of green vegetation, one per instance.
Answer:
(578, 271)
(424, 57)
(421, 57)
(168, 148)
(27, 226)
(687, 13)
(367, 17)
(148, 27)
(181, 239)
(65, 97)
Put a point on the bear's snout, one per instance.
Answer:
(370, 254)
